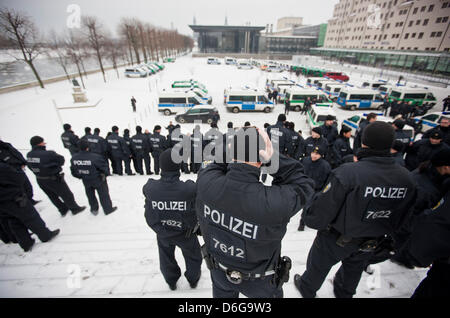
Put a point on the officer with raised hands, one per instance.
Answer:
(361, 203)
(243, 221)
(170, 212)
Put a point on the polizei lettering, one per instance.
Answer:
(232, 224)
(169, 205)
(82, 162)
(385, 192)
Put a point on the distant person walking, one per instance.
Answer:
(446, 103)
(133, 103)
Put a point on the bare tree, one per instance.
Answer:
(57, 47)
(96, 38)
(74, 51)
(127, 28)
(114, 49)
(140, 29)
(18, 29)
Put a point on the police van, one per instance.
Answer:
(321, 84)
(244, 65)
(213, 60)
(373, 84)
(171, 102)
(354, 121)
(242, 99)
(271, 84)
(282, 87)
(136, 72)
(297, 97)
(313, 81)
(189, 84)
(230, 60)
(430, 120)
(359, 98)
(417, 96)
(316, 115)
(333, 90)
(205, 98)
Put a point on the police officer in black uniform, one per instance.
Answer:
(170, 212)
(422, 150)
(400, 134)
(361, 204)
(141, 146)
(283, 134)
(93, 170)
(17, 211)
(183, 142)
(132, 156)
(242, 221)
(119, 151)
(97, 144)
(329, 130)
(159, 144)
(47, 166)
(197, 145)
(341, 147)
(69, 139)
(443, 128)
(87, 132)
(296, 142)
(12, 157)
(315, 140)
(371, 117)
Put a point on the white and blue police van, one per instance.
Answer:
(321, 84)
(136, 72)
(244, 65)
(333, 89)
(313, 81)
(360, 98)
(373, 84)
(230, 60)
(213, 60)
(430, 120)
(173, 101)
(246, 99)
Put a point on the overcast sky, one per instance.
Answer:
(52, 14)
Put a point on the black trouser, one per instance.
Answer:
(5, 232)
(192, 257)
(147, 161)
(114, 165)
(323, 255)
(27, 186)
(258, 288)
(103, 193)
(155, 155)
(436, 284)
(127, 161)
(59, 193)
(20, 219)
(117, 164)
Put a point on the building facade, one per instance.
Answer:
(390, 25)
(289, 23)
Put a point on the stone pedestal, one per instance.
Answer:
(79, 96)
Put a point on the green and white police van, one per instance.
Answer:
(242, 99)
(189, 84)
(417, 96)
(316, 115)
(297, 97)
(174, 101)
(360, 98)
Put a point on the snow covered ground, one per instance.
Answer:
(116, 255)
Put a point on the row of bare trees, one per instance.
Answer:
(136, 42)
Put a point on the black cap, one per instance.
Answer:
(114, 128)
(319, 150)
(436, 135)
(166, 163)
(96, 130)
(126, 131)
(157, 127)
(329, 117)
(345, 130)
(36, 140)
(441, 158)
(230, 124)
(83, 144)
(378, 136)
(281, 117)
(138, 129)
(317, 130)
(399, 123)
(397, 145)
(87, 130)
(67, 126)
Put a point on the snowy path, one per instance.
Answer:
(117, 254)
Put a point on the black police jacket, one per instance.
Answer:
(70, 141)
(318, 170)
(422, 150)
(140, 144)
(445, 134)
(340, 149)
(11, 183)
(242, 220)
(311, 143)
(44, 163)
(330, 133)
(170, 205)
(283, 136)
(358, 135)
(364, 199)
(118, 146)
(11, 156)
(429, 241)
(403, 137)
(159, 142)
(90, 167)
(97, 144)
(197, 145)
(429, 188)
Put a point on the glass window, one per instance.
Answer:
(354, 119)
(179, 100)
(432, 117)
(165, 100)
(192, 100)
(264, 99)
(343, 95)
(236, 98)
(414, 96)
(248, 98)
(395, 94)
(193, 111)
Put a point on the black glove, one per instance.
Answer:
(22, 201)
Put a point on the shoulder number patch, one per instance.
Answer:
(327, 188)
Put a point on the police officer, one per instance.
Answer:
(283, 134)
(132, 156)
(170, 212)
(422, 150)
(318, 169)
(213, 138)
(329, 130)
(242, 221)
(197, 145)
(93, 170)
(397, 154)
(371, 117)
(97, 144)
(119, 151)
(159, 144)
(341, 147)
(12, 157)
(296, 142)
(141, 146)
(87, 132)
(306, 106)
(69, 139)
(183, 142)
(47, 166)
(17, 211)
(361, 204)
(443, 128)
(400, 134)
(315, 140)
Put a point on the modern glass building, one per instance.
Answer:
(227, 39)
(437, 63)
